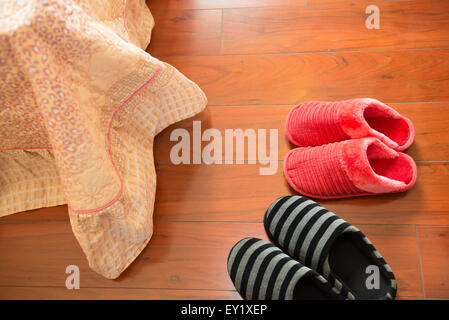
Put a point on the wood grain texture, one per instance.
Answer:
(352, 2)
(181, 255)
(390, 76)
(239, 193)
(214, 4)
(61, 293)
(417, 24)
(58, 213)
(434, 247)
(187, 32)
(430, 143)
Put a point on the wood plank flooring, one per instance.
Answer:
(255, 60)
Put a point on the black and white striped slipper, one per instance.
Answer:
(329, 245)
(261, 271)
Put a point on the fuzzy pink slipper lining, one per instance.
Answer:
(349, 168)
(316, 123)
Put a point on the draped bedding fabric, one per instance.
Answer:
(80, 104)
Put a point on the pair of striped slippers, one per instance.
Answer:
(317, 256)
(350, 148)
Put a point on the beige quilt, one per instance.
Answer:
(80, 104)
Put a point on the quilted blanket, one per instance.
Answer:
(80, 104)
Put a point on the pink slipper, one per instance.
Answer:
(316, 123)
(349, 168)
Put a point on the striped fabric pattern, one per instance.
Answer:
(261, 271)
(306, 231)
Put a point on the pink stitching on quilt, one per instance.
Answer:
(109, 147)
(110, 151)
(109, 130)
(130, 39)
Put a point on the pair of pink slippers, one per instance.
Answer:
(350, 148)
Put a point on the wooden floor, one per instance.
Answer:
(255, 59)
